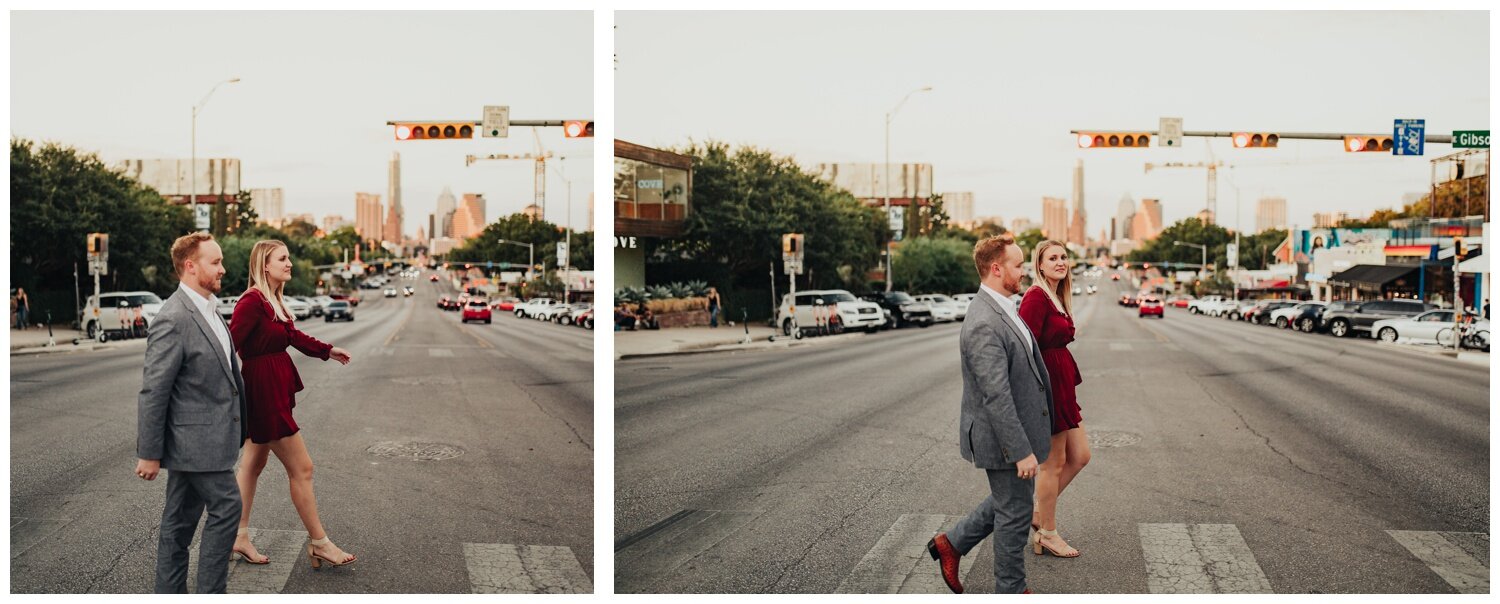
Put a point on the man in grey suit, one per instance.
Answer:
(190, 420)
(1004, 423)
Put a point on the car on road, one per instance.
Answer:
(1152, 306)
(585, 319)
(1260, 314)
(1090, 290)
(1114, 277)
(116, 313)
(1420, 329)
(1213, 305)
(1284, 317)
(1357, 318)
(505, 304)
(1128, 301)
(1237, 313)
(315, 308)
(226, 306)
(299, 308)
(1077, 291)
(552, 313)
(943, 308)
(569, 315)
(408, 291)
(903, 309)
(432, 278)
(809, 308)
(338, 310)
(390, 292)
(476, 310)
(530, 308)
(1178, 301)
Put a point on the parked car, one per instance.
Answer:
(1283, 317)
(1213, 305)
(530, 307)
(1357, 318)
(1421, 329)
(1151, 306)
(1311, 319)
(585, 319)
(552, 313)
(1177, 301)
(904, 310)
(226, 306)
(299, 308)
(1260, 314)
(807, 308)
(1240, 308)
(569, 315)
(338, 310)
(120, 314)
(476, 310)
(943, 309)
(505, 304)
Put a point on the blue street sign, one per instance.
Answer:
(1408, 137)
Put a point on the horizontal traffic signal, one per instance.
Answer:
(578, 128)
(1094, 140)
(1255, 139)
(409, 131)
(1368, 143)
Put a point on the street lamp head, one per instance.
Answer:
(234, 80)
(926, 89)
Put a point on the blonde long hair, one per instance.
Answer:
(1060, 292)
(260, 256)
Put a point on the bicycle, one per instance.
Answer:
(1469, 336)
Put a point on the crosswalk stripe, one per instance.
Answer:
(667, 545)
(1200, 558)
(503, 568)
(899, 562)
(284, 549)
(1445, 554)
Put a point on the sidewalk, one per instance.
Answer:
(34, 341)
(1473, 357)
(688, 340)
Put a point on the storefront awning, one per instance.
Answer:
(1477, 264)
(1371, 275)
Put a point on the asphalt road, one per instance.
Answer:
(1227, 458)
(502, 415)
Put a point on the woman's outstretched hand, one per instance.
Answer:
(339, 354)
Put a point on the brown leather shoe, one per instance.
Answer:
(943, 552)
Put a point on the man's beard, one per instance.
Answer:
(1011, 286)
(211, 285)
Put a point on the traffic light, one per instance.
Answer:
(1368, 143)
(412, 131)
(791, 244)
(1255, 139)
(1458, 247)
(578, 128)
(98, 244)
(1093, 140)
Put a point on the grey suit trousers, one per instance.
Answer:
(188, 495)
(1006, 513)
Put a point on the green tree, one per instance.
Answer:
(58, 196)
(942, 265)
(1189, 230)
(1028, 241)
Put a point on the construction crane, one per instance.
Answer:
(1213, 181)
(540, 158)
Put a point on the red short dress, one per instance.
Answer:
(1053, 331)
(271, 379)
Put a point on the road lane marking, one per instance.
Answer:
(899, 562)
(1445, 553)
(503, 568)
(409, 312)
(1200, 559)
(26, 533)
(1119, 346)
(643, 559)
(440, 352)
(1172, 347)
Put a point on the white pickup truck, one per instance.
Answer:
(1212, 306)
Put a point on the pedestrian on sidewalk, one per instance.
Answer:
(23, 307)
(263, 329)
(189, 420)
(624, 319)
(713, 308)
(1047, 310)
(1003, 422)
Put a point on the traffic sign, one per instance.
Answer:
(1170, 132)
(496, 121)
(1409, 136)
(1471, 139)
(1233, 251)
(201, 215)
(793, 266)
(562, 253)
(898, 222)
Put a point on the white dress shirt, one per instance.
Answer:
(1008, 307)
(210, 308)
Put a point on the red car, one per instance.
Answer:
(505, 304)
(1114, 277)
(432, 278)
(1152, 306)
(477, 310)
(1126, 300)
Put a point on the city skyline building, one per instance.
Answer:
(1078, 227)
(1055, 218)
(395, 219)
(269, 205)
(1270, 213)
(367, 216)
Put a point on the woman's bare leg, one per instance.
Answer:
(253, 460)
(292, 453)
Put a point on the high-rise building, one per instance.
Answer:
(334, 222)
(1206, 216)
(468, 219)
(395, 219)
(1055, 217)
(532, 211)
(1328, 220)
(1270, 213)
(1021, 225)
(1146, 224)
(1077, 228)
(960, 207)
(367, 216)
(268, 204)
(1124, 218)
(308, 218)
(446, 204)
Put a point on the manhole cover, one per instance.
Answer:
(415, 451)
(1106, 438)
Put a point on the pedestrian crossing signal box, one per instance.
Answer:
(791, 244)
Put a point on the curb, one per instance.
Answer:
(67, 347)
(1473, 358)
(736, 347)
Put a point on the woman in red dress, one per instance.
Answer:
(1047, 309)
(262, 330)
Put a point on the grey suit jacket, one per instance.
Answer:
(1007, 403)
(192, 405)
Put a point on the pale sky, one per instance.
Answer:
(1008, 87)
(316, 89)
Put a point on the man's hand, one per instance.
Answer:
(339, 354)
(147, 468)
(1026, 469)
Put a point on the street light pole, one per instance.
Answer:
(193, 167)
(889, 264)
(1203, 248)
(531, 249)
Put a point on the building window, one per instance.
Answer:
(650, 192)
